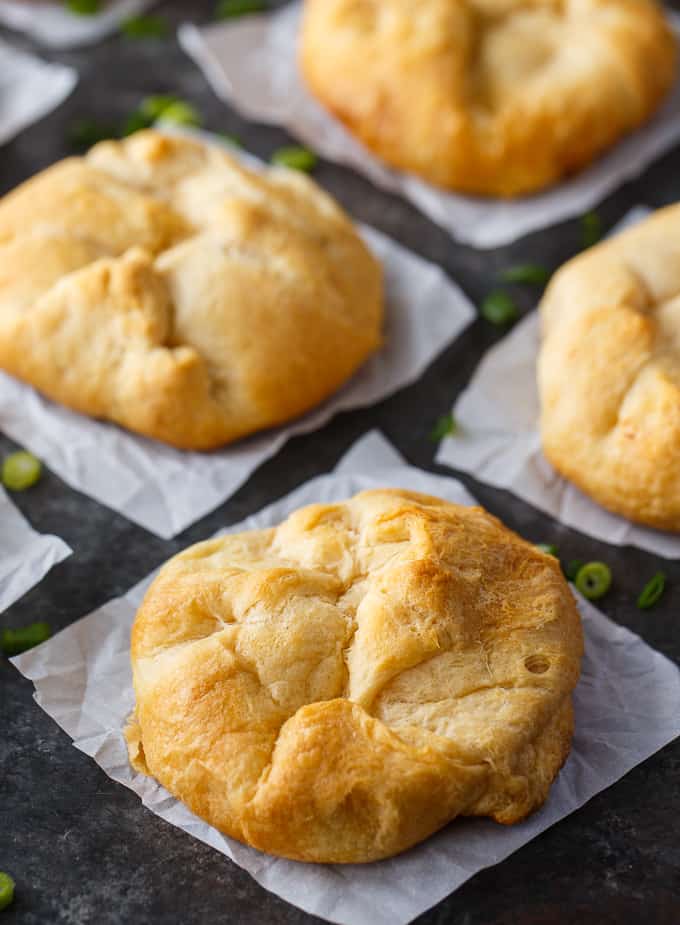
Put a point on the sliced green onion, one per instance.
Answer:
(6, 890)
(652, 591)
(230, 9)
(591, 228)
(87, 132)
(295, 158)
(230, 139)
(547, 548)
(144, 27)
(572, 568)
(83, 7)
(15, 641)
(161, 106)
(593, 580)
(530, 273)
(153, 107)
(182, 113)
(20, 471)
(499, 308)
(445, 427)
(135, 123)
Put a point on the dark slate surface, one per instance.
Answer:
(82, 849)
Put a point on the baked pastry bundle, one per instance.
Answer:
(339, 687)
(491, 97)
(609, 371)
(160, 284)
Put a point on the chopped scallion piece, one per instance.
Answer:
(181, 113)
(153, 107)
(230, 139)
(593, 580)
(83, 7)
(87, 132)
(499, 308)
(135, 123)
(144, 27)
(20, 471)
(591, 227)
(530, 273)
(230, 9)
(162, 106)
(170, 108)
(547, 548)
(16, 641)
(6, 890)
(652, 591)
(444, 427)
(572, 568)
(295, 158)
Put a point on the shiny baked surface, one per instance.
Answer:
(338, 688)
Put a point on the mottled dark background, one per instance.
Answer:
(81, 848)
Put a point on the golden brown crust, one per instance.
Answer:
(159, 284)
(340, 687)
(493, 97)
(609, 372)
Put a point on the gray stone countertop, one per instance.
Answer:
(82, 848)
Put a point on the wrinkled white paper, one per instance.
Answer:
(25, 555)
(498, 440)
(54, 25)
(251, 64)
(29, 89)
(164, 489)
(627, 707)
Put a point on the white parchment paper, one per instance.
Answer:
(251, 64)
(627, 707)
(29, 89)
(164, 489)
(54, 25)
(498, 440)
(25, 555)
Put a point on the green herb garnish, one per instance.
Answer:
(153, 107)
(591, 228)
(20, 471)
(83, 7)
(169, 108)
(86, 133)
(14, 642)
(145, 27)
(548, 548)
(652, 591)
(572, 568)
(230, 9)
(295, 158)
(444, 427)
(161, 106)
(6, 890)
(499, 308)
(230, 139)
(530, 274)
(593, 580)
(135, 122)
(182, 113)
